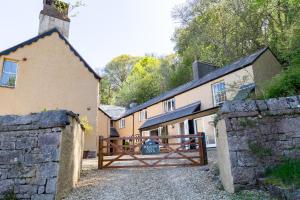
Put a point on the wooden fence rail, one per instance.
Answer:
(125, 152)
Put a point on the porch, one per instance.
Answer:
(189, 120)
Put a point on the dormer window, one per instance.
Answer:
(169, 105)
(9, 73)
(219, 93)
(143, 115)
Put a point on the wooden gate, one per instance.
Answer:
(125, 152)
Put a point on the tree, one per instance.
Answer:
(142, 84)
(221, 31)
(118, 70)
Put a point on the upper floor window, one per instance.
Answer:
(169, 105)
(122, 123)
(219, 93)
(143, 115)
(9, 73)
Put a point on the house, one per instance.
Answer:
(47, 73)
(191, 108)
(108, 113)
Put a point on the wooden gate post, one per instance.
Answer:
(100, 154)
(202, 149)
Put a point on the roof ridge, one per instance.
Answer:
(198, 82)
(43, 35)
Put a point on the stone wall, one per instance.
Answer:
(40, 154)
(255, 135)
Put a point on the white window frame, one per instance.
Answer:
(216, 92)
(122, 123)
(9, 73)
(172, 104)
(142, 115)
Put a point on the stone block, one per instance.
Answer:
(296, 142)
(262, 105)
(6, 185)
(278, 104)
(48, 170)
(23, 196)
(289, 125)
(49, 139)
(39, 181)
(243, 175)
(46, 154)
(233, 158)
(3, 174)
(51, 186)
(19, 171)
(7, 145)
(10, 157)
(293, 102)
(26, 142)
(226, 107)
(28, 189)
(243, 106)
(238, 143)
(20, 181)
(41, 189)
(43, 197)
(246, 159)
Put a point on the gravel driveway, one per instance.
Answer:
(151, 183)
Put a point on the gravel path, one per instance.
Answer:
(174, 183)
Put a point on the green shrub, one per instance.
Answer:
(259, 150)
(10, 195)
(285, 84)
(287, 173)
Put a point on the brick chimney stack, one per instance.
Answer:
(51, 17)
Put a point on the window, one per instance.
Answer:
(219, 93)
(9, 73)
(122, 123)
(143, 115)
(169, 105)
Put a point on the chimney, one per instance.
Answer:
(133, 104)
(200, 69)
(52, 17)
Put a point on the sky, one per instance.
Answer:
(102, 30)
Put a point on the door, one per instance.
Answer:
(206, 125)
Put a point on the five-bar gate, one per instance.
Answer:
(176, 150)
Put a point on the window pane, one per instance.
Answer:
(8, 79)
(10, 67)
(4, 79)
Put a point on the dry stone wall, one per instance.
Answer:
(255, 135)
(30, 153)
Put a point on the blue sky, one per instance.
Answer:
(103, 29)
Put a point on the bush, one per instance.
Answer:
(10, 195)
(287, 173)
(285, 84)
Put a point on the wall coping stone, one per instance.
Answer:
(274, 106)
(44, 120)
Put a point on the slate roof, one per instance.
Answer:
(112, 111)
(48, 33)
(245, 91)
(239, 64)
(179, 113)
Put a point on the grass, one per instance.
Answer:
(259, 150)
(285, 174)
(10, 195)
